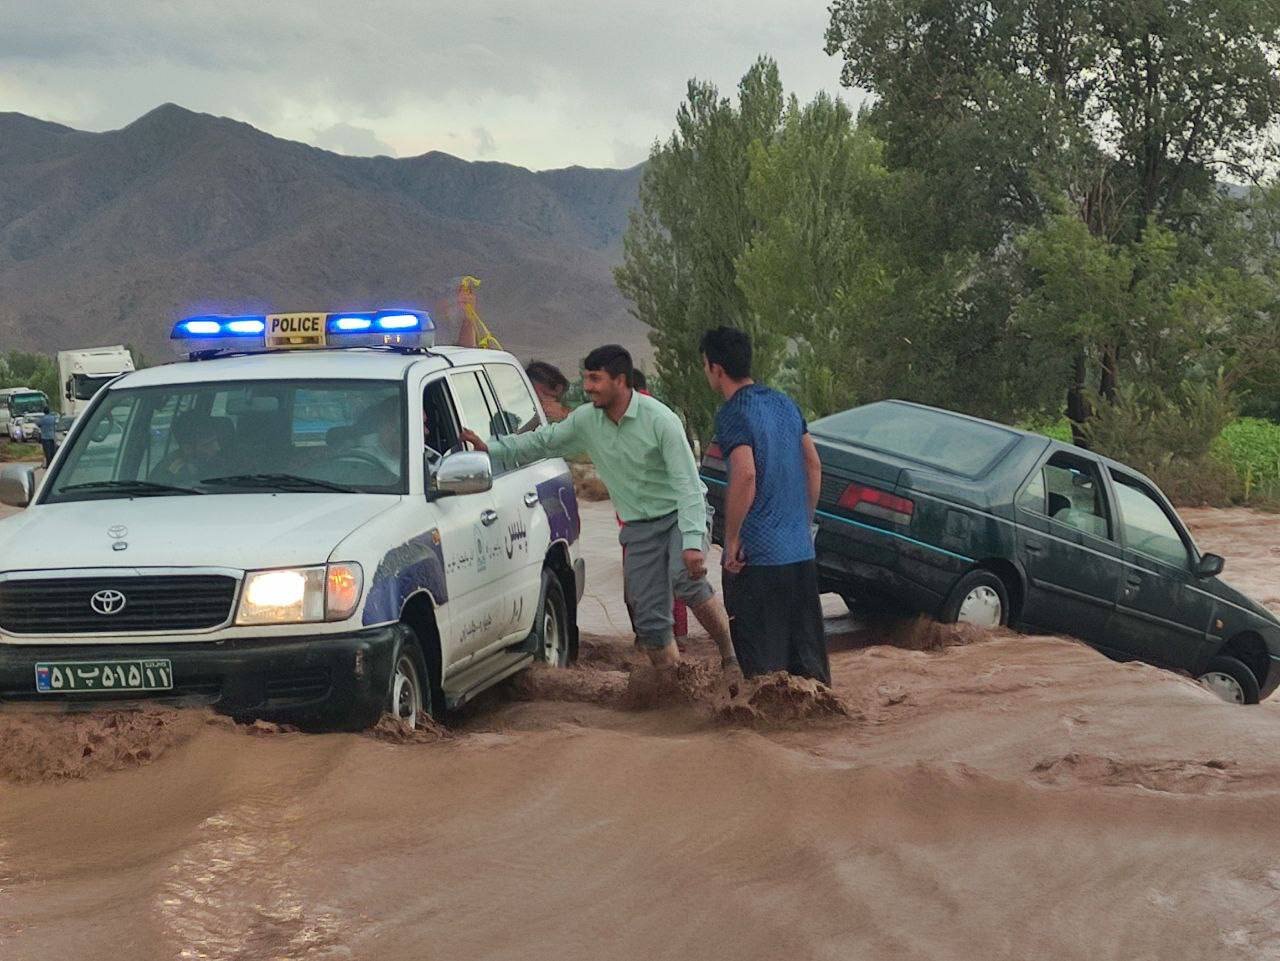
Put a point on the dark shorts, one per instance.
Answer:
(775, 618)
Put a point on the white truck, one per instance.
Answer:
(82, 373)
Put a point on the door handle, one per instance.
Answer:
(488, 518)
(1033, 547)
(531, 499)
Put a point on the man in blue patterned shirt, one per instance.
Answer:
(770, 578)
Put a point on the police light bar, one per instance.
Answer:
(215, 333)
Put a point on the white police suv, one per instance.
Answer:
(285, 527)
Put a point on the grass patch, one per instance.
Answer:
(1251, 445)
(20, 452)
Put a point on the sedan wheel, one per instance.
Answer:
(1223, 685)
(981, 607)
(1231, 679)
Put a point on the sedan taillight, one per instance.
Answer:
(877, 503)
(713, 457)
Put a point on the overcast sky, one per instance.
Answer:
(541, 83)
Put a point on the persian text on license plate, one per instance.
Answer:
(60, 677)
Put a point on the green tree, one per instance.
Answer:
(693, 222)
(33, 370)
(1122, 112)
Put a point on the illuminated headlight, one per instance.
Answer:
(301, 595)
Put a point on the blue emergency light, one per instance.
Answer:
(213, 333)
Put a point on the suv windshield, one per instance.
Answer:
(932, 437)
(235, 437)
(20, 404)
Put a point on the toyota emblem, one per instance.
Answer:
(117, 532)
(108, 602)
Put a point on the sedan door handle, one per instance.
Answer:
(531, 499)
(488, 518)
(1133, 581)
(1033, 547)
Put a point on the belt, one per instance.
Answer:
(650, 520)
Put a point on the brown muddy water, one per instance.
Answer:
(957, 795)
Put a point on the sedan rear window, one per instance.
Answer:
(931, 437)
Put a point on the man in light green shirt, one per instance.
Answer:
(639, 450)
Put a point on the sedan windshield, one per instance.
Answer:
(236, 437)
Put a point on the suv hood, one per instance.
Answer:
(240, 531)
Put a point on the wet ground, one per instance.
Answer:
(957, 795)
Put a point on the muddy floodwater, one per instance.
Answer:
(959, 795)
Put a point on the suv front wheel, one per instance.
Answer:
(552, 628)
(409, 694)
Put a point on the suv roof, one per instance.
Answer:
(351, 363)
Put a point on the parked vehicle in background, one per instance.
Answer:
(4, 406)
(82, 373)
(19, 405)
(968, 520)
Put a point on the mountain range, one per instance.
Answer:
(111, 237)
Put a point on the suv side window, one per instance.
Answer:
(1147, 528)
(439, 432)
(519, 408)
(1068, 490)
(473, 406)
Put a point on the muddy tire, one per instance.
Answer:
(979, 599)
(409, 689)
(1231, 680)
(552, 630)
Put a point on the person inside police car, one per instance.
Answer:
(198, 450)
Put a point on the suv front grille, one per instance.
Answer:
(62, 605)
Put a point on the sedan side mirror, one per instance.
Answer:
(1210, 565)
(17, 485)
(464, 472)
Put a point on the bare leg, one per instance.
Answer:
(714, 619)
(668, 656)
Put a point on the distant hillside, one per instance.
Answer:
(109, 237)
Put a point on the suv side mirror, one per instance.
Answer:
(17, 485)
(1210, 565)
(463, 472)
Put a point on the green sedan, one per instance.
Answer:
(968, 520)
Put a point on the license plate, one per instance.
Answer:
(60, 677)
(293, 331)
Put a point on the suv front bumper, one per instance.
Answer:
(323, 680)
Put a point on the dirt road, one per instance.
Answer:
(1005, 797)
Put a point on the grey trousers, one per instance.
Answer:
(654, 572)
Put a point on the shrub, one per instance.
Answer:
(1171, 439)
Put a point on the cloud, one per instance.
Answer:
(353, 141)
(485, 145)
(554, 83)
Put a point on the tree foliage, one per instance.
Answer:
(693, 222)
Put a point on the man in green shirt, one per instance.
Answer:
(638, 447)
